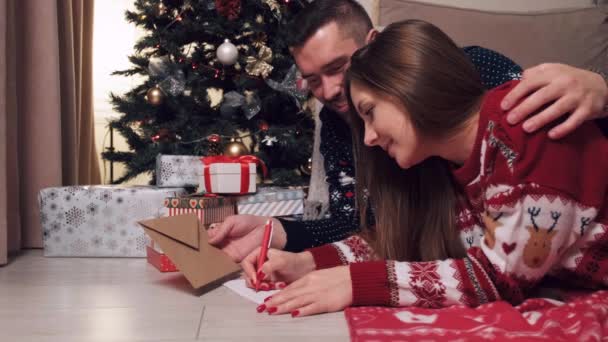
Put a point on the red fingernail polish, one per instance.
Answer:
(264, 286)
(272, 310)
(281, 285)
(267, 299)
(261, 275)
(295, 313)
(261, 308)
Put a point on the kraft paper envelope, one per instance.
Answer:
(184, 240)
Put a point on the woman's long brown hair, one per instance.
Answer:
(415, 209)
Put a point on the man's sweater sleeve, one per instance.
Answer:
(306, 234)
(493, 67)
(336, 147)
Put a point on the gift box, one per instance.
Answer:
(184, 239)
(208, 210)
(229, 175)
(174, 170)
(98, 220)
(157, 258)
(160, 260)
(272, 201)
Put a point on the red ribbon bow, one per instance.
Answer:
(243, 160)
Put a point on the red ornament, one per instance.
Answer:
(214, 138)
(228, 8)
(264, 126)
(163, 134)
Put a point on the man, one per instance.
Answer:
(323, 38)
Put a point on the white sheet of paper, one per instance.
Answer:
(240, 287)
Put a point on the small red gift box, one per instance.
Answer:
(159, 260)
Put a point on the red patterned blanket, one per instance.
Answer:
(583, 317)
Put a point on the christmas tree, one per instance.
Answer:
(218, 79)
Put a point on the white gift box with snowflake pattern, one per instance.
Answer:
(99, 221)
(174, 170)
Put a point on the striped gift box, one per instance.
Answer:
(208, 209)
(272, 202)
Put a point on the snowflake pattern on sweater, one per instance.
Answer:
(336, 148)
(534, 207)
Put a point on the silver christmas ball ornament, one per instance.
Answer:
(227, 53)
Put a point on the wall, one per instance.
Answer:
(113, 43)
(371, 6)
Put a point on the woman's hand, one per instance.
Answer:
(320, 291)
(281, 268)
(239, 235)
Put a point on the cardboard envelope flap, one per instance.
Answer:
(183, 228)
(202, 266)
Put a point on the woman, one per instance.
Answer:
(476, 211)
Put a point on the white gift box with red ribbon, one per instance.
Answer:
(229, 175)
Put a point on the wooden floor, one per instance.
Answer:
(95, 299)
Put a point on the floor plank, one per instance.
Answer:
(112, 299)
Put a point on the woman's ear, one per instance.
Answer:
(371, 35)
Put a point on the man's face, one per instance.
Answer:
(322, 60)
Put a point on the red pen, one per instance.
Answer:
(266, 239)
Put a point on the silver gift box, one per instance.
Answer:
(99, 220)
(175, 170)
(272, 201)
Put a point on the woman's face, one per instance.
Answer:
(388, 125)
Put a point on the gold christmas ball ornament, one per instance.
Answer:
(235, 148)
(307, 168)
(155, 96)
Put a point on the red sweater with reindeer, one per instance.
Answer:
(535, 207)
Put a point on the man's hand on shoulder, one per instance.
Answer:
(563, 90)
